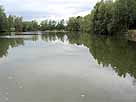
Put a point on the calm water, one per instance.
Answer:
(67, 68)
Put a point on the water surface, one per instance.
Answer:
(67, 68)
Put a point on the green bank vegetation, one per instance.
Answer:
(15, 23)
(107, 17)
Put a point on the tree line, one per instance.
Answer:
(107, 17)
(15, 23)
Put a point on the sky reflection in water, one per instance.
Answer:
(67, 68)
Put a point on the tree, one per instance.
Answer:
(60, 25)
(3, 20)
(131, 12)
(35, 25)
(86, 24)
(120, 16)
(18, 24)
(73, 24)
(44, 25)
(102, 17)
(11, 23)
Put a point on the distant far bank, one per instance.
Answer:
(33, 32)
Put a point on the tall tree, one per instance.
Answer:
(3, 20)
(11, 23)
(60, 25)
(19, 24)
(102, 17)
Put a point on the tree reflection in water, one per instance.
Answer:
(116, 52)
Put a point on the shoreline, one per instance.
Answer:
(31, 33)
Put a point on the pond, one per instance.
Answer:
(57, 67)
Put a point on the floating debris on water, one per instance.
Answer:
(20, 87)
(82, 95)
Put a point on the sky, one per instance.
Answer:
(48, 9)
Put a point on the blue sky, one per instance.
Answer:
(47, 9)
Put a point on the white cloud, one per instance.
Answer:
(50, 9)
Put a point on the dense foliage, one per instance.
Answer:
(107, 17)
(3, 20)
(52, 25)
(79, 23)
(14, 23)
